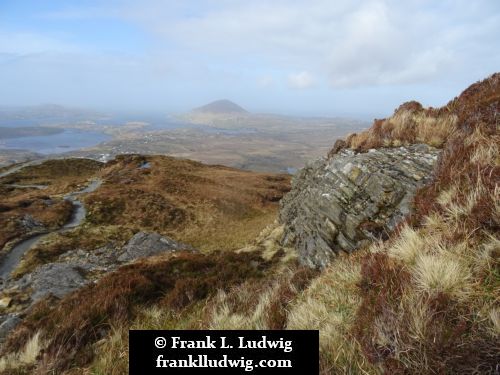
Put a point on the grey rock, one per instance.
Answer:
(77, 268)
(147, 244)
(56, 279)
(29, 222)
(343, 202)
(9, 322)
(99, 260)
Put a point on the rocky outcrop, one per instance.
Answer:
(30, 224)
(344, 202)
(73, 270)
(57, 279)
(148, 244)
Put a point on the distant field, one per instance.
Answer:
(258, 142)
(276, 149)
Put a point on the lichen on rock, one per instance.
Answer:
(343, 202)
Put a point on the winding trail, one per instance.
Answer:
(12, 259)
(20, 166)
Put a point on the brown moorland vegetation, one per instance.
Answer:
(172, 282)
(61, 174)
(209, 207)
(14, 207)
(426, 301)
(430, 295)
(44, 206)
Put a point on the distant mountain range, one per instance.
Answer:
(220, 107)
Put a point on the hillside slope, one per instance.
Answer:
(422, 300)
(425, 301)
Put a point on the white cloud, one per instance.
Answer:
(302, 80)
(346, 43)
(186, 50)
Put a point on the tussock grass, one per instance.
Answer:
(21, 361)
(438, 274)
(112, 354)
(442, 299)
(329, 305)
(423, 302)
(406, 126)
(407, 246)
(262, 306)
(430, 294)
(494, 316)
(81, 319)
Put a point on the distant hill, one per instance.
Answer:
(27, 131)
(45, 114)
(220, 106)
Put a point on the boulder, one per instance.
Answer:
(56, 279)
(144, 244)
(343, 202)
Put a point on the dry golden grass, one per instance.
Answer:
(254, 306)
(175, 282)
(22, 361)
(439, 274)
(424, 302)
(405, 127)
(329, 305)
(112, 354)
(209, 207)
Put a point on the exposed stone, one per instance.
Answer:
(57, 279)
(343, 202)
(73, 270)
(147, 244)
(28, 222)
(8, 323)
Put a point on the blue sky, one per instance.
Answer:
(317, 57)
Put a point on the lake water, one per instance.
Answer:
(76, 139)
(68, 140)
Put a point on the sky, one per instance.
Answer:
(356, 58)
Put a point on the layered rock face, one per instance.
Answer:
(349, 199)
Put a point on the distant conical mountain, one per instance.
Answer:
(220, 106)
